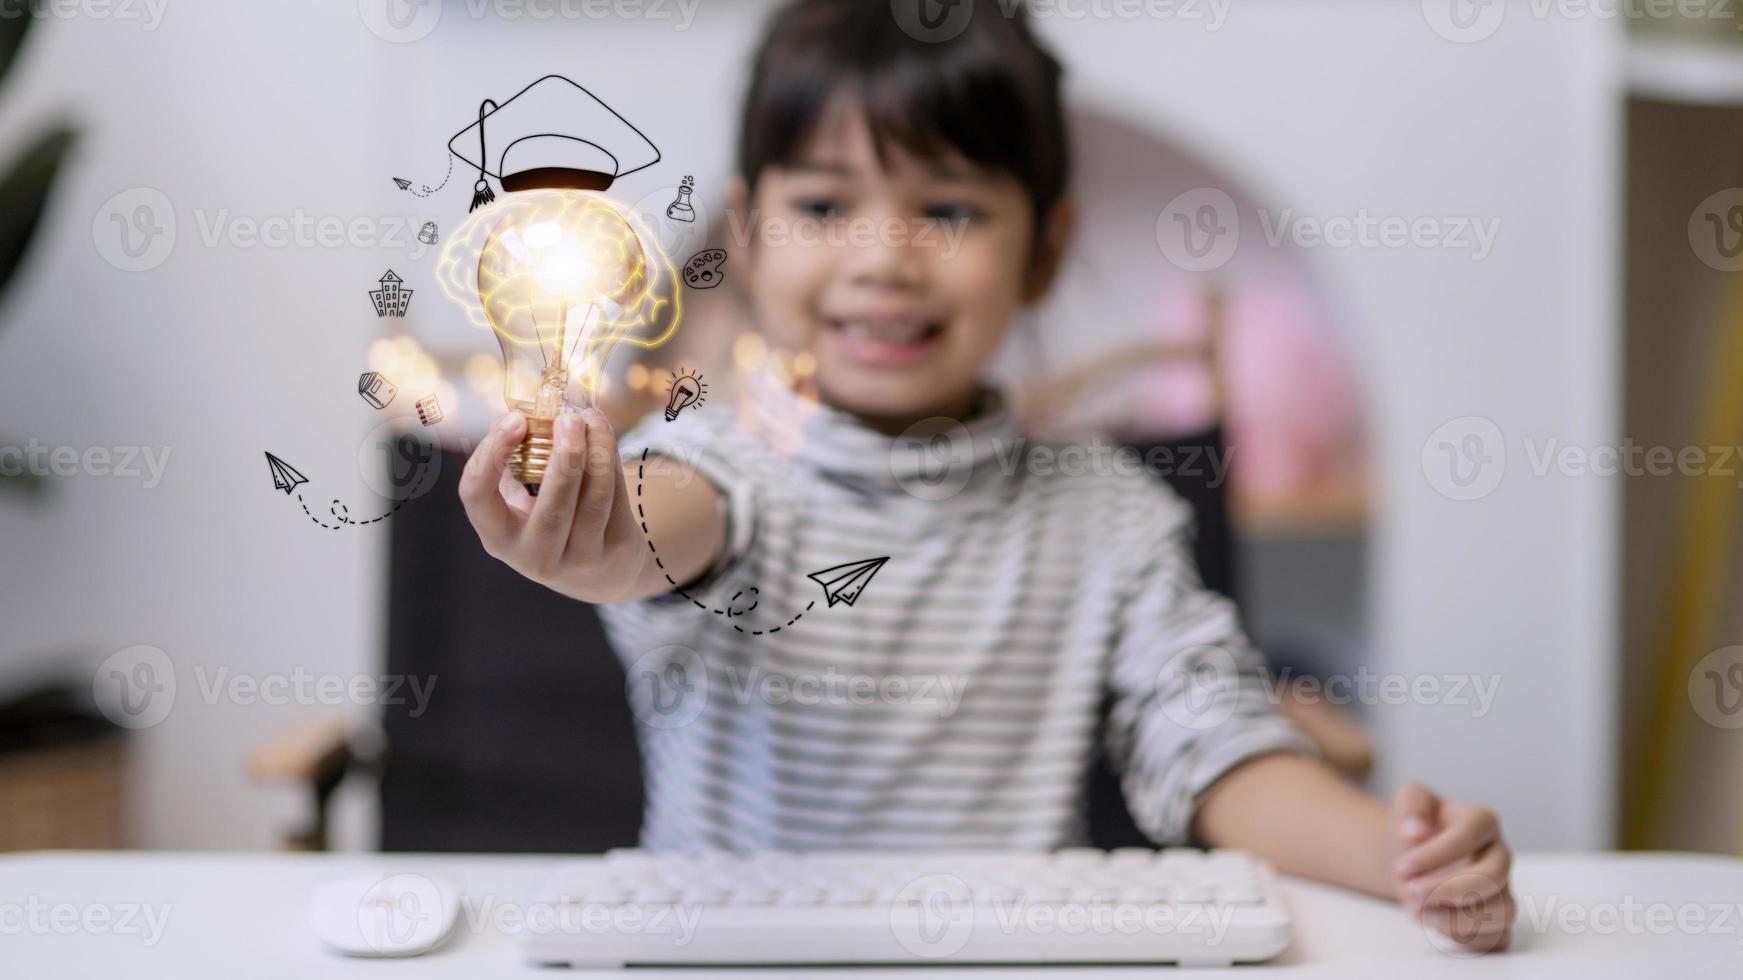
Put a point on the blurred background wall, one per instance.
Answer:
(243, 112)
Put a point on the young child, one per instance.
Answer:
(955, 703)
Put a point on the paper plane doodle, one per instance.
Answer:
(404, 184)
(284, 476)
(844, 583)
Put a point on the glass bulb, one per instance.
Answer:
(560, 276)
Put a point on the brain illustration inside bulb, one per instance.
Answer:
(562, 277)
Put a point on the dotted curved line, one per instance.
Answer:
(746, 610)
(642, 516)
(345, 518)
(428, 190)
(396, 506)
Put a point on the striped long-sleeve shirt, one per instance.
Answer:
(954, 702)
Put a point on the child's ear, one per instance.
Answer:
(1050, 242)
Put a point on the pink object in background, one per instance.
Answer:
(1293, 416)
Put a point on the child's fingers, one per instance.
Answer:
(1463, 882)
(515, 493)
(1415, 813)
(599, 486)
(554, 507)
(1465, 830)
(1484, 928)
(485, 508)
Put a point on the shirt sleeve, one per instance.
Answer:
(1189, 694)
(719, 458)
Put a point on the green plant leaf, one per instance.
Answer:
(24, 483)
(20, 15)
(23, 192)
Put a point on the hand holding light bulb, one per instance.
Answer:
(561, 277)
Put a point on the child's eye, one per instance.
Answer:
(818, 207)
(952, 212)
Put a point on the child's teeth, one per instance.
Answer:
(885, 331)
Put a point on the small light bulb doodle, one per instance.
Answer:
(429, 410)
(703, 270)
(376, 390)
(427, 234)
(680, 209)
(391, 298)
(687, 389)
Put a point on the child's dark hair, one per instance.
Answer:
(991, 92)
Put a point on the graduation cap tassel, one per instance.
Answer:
(481, 194)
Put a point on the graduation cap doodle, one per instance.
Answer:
(844, 583)
(553, 133)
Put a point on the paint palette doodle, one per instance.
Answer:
(703, 270)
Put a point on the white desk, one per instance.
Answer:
(235, 915)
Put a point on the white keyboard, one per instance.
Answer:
(1181, 906)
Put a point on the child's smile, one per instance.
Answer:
(881, 340)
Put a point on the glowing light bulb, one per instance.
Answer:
(561, 276)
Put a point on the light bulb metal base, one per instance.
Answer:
(533, 454)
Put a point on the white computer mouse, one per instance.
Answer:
(385, 915)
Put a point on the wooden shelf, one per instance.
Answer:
(1333, 507)
(1685, 71)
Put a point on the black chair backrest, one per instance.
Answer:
(1183, 464)
(527, 742)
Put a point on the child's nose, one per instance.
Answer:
(883, 253)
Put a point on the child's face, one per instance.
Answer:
(901, 278)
